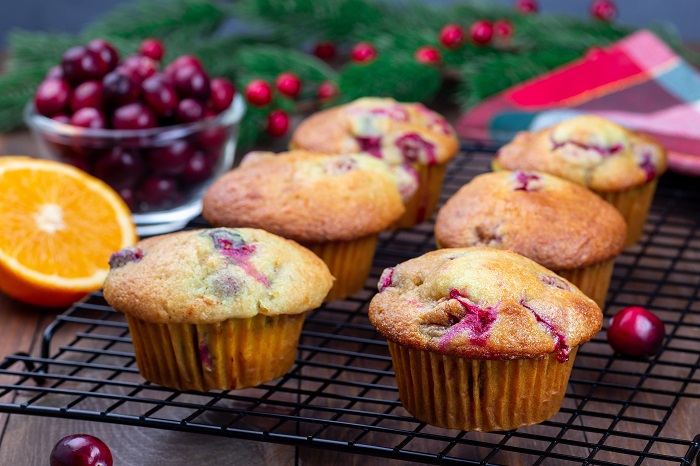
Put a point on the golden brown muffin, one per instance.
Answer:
(399, 133)
(481, 339)
(621, 166)
(217, 308)
(558, 224)
(334, 205)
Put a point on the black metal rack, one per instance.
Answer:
(342, 395)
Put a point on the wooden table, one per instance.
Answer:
(27, 440)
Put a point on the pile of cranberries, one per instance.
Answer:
(93, 88)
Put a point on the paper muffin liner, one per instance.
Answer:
(423, 204)
(348, 261)
(634, 206)
(479, 395)
(593, 280)
(229, 355)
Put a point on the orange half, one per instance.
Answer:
(58, 228)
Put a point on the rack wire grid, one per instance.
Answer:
(341, 393)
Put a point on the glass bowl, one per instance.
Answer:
(161, 173)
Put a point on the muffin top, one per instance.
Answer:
(211, 275)
(588, 150)
(307, 196)
(393, 131)
(556, 223)
(482, 303)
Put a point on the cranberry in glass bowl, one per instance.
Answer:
(184, 159)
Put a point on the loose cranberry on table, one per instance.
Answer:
(81, 450)
(634, 331)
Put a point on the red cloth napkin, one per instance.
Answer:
(638, 82)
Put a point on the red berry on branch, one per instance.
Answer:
(635, 331)
(481, 32)
(527, 6)
(325, 50)
(80, 450)
(327, 90)
(428, 55)
(451, 36)
(503, 29)
(277, 123)
(604, 10)
(288, 84)
(363, 52)
(258, 92)
(152, 48)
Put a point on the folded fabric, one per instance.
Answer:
(638, 82)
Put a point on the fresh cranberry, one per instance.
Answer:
(120, 168)
(277, 123)
(55, 72)
(212, 138)
(157, 191)
(451, 36)
(133, 116)
(258, 93)
(191, 81)
(481, 32)
(171, 159)
(527, 6)
(222, 93)
(503, 29)
(119, 88)
(428, 55)
(199, 168)
(140, 68)
(160, 95)
(363, 52)
(106, 51)
(88, 117)
(604, 10)
(87, 94)
(81, 450)
(182, 61)
(80, 64)
(324, 50)
(327, 90)
(189, 111)
(152, 48)
(52, 97)
(288, 84)
(635, 331)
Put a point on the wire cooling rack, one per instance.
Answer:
(342, 394)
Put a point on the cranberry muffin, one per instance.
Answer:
(335, 205)
(558, 224)
(399, 133)
(216, 308)
(619, 165)
(481, 339)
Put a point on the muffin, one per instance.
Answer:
(399, 133)
(215, 308)
(480, 338)
(558, 224)
(335, 205)
(619, 165)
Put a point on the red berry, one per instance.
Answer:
(288, 84)
(80, 450)
(481, 32)
(277, 123)
(451, 36)
(152, 48)
(327, 90)
(159, 94)
(87, 94)
(527, 6)
(158, 191)
(133, 116)
(172, 159)
(258, 93)
(428, 55)
(52, 97)
(139, 67)
(88, 117)
(119, 88)
(325, 50)
(222, 94)
(55, 72)
(192, 81)
(120, 168)
(106, 51)
(503, 29)
(199, 168)
(363, 52)
(179, 62)
(80, 64)
(604, 10)
(189, 111)
(635, 331)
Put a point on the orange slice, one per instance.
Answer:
(58, 227)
